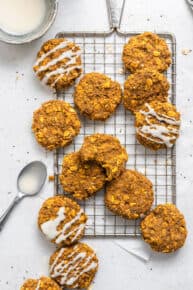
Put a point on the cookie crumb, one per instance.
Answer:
(121, 71)
(109, 48)
(51, 178)
(186, 51)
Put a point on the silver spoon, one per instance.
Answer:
(29, 182)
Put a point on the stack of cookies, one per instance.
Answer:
(157, 122)
(101, 160)
(73, 264)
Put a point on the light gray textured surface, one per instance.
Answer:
(23, 251)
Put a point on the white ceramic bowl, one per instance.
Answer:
(51, 11)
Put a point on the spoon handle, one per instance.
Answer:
(4, 216)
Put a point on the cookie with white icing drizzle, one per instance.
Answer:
(58, 63)
(74, 267)
(43, 283)
(157, 125)
(62, 220)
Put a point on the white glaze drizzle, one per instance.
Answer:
(66, 71)
(62, 236)
(69, 54)
(66, 68)
(72, 265)
(59, 268)
(89, 267)
(59, 71)
(49, 228)
(77, 232)
(60, 253)
(158, 131)
(164, 118)
(61, 45)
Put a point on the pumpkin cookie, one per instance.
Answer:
(62, 220)
(81, 179)
(74, 267)
(58, 63)
(157, 125)
(146, 50)
(44, 283)
(97, 96)
(164, 229)
(130, 195)
(144, 86)
(107, 151)
(55, 124)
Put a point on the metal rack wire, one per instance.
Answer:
(101, 52)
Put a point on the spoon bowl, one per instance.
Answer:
(32, 178)
(29, 182)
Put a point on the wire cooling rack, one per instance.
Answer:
(102, 53)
